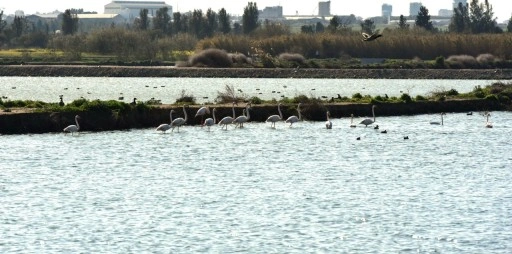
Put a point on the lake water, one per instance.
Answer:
(303, 189)
(167, 90)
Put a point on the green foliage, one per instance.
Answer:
(250, 18)
(69, 22)
(255, 100)
(406, 98)
(439, 62)
(423, 19)
(420, 98)
(357, 96)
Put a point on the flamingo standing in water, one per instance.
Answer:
(439, 123)
(228, 119)
(294, 119)
(328, 123)
(201, 112)
(239, 121)
(369, 121)
(209, 121)
(487, 123)
(274, 118)
(73, 128)
(179, 121)
(165, 127)
(352, 125)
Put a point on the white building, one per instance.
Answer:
(131, 9)
(414, 8)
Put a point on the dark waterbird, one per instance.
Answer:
(368, 37)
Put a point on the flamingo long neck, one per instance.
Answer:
(233, 108)
(170, 115)
(298, 110)
(442, 122)
(77, 125)
(373, 113)
(248, 115)
(185, 113)
(279, 109)
(328, 114)
(214, 119)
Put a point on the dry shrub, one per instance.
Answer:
(486, 58)
(239, 58)
(298, 58)
(211, 58)
(464, 60)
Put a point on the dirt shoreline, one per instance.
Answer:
(169, 71)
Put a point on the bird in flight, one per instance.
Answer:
(368, 37)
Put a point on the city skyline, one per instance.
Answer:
(362, 8)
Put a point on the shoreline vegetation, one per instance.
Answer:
(24, 117)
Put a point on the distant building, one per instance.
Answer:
(445, 13)
(324, 9)
(414, 8)
(387, 10)
(131, 9)
(275, 12)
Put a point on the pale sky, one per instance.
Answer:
(363, 8)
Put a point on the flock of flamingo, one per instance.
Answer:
(245, 117)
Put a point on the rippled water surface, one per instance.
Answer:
(206, 89)
(261, 190)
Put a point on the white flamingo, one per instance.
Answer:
(201, 112)
(439, 123)
(328, 123)
(210, 121)
(487, 123)
(165, 127)
(178, 122)
(274, 118)
(73, 128)
(369, 121)
(239, 121)
(228, 119)
(294, 119)
(352, 125)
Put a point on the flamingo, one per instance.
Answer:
(294, 119)
(165, 127)
(73, 128)
(487, 123)
(369, 121)
(201, 112)
(179, 121)
(239, 121)
(439, 123)
(209, 121)
(274, 118)
(228, 119)
(328, 123)
(352, 125)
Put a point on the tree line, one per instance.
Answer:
(159, 36)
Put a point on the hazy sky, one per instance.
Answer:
(364, 8)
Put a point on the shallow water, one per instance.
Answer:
(257, 189)
(168, 90)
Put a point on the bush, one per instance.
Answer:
(463, 60)
(255, 100)
(439, 62)
(406, 98)
(486, 58)
(298, 58)
(185, 98)
(211, 58)
(357, 96)
(420, 98)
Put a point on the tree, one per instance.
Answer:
(402, 23)
(319, 28)
(212, 23)
(69, 22)
(237, 28)
(334, 23)
(423, 19)
(2, 21)
(367, 26)
(460, 21)
(481, 17)
(177, 23)
(162, 20)
(19, 25)
(197, 24)
(509, 25)
(142, 22)
(250, 18)
(224, 21)
(307, 29)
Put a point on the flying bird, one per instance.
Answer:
(368, 37)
